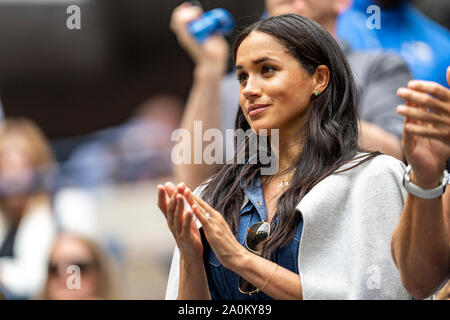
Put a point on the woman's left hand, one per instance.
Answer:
(219, 235)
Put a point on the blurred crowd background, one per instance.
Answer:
(86, 118)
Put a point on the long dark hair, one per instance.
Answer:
(332, 129)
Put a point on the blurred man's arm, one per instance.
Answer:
(374, 137)
(203, 104)
(381, 126)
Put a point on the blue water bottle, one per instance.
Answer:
(212, 22)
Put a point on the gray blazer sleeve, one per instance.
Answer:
(378, 76)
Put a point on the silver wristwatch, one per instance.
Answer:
(424, 193)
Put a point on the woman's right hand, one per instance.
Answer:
(180, 221)
(212, 54)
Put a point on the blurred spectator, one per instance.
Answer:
(26, 225)
(89, 277)
(145, 146)
(422, 43)
(136, 150)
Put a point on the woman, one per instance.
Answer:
(80, 262)
(293, 77)
(26, 222)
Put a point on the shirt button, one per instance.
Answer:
(259, 203)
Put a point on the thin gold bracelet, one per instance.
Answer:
(270, 278)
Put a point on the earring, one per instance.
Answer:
(317, 93)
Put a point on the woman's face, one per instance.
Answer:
(17, 175)
(275, 91)
(72, 272)
(15, 163)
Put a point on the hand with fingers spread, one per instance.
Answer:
(426, 133)
(180, 220)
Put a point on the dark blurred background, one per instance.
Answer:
(73, 82)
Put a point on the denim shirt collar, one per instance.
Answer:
(254, 197)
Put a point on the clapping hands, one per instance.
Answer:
(185, 231)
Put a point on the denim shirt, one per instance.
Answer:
(222, 282)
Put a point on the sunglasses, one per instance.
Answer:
(256, 234)
(57, 269)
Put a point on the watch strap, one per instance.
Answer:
(424, 193)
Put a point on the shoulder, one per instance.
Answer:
(37, 223)
(380, 172)
(39, 214)
(36, 232)
(348, 220)
(382, 164)
(377, 178)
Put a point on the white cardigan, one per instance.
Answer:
(348, 221)
(25, 274)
